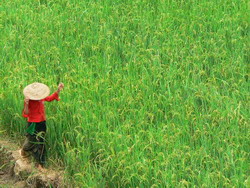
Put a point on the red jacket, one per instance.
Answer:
(37, 110)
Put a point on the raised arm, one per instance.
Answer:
(55, 96)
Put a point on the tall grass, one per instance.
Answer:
(156, 92)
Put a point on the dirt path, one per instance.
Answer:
(7, 155)
(19, 173)
(9, 182)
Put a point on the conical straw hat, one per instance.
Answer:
(36, 91)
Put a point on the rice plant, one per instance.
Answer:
(156, 92)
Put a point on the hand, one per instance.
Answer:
(26, 100)
(60, 87)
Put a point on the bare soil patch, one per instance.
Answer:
(19, 173)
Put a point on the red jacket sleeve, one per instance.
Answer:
(52, 97)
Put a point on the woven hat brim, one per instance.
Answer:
(36, 91)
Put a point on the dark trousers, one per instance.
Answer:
(35, 144)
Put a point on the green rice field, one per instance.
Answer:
(156, 91)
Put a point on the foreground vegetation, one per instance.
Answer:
(156, 92)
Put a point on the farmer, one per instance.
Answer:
(35, 95)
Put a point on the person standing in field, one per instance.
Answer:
(35, 96)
